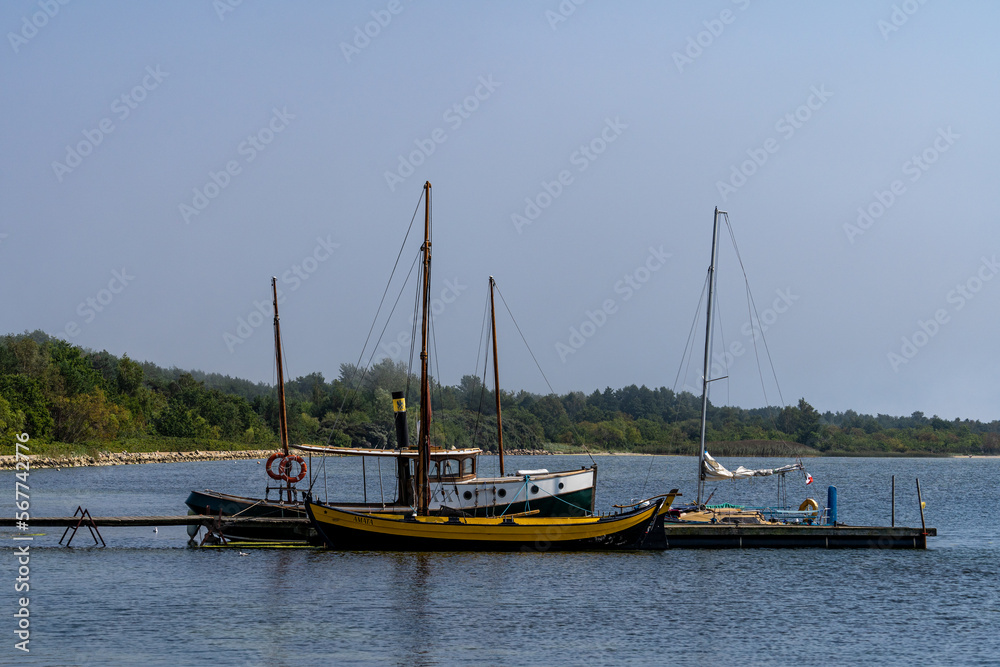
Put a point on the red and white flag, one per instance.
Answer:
(809, 479)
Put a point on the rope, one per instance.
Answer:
(361, 356)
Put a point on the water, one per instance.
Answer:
(147, 599)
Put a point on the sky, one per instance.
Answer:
(161, 161)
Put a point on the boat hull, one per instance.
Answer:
(558, 494)
(346, 530)
(219, 504)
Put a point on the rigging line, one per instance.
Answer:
(437, 363)
(551, 390)
(350, 380)
(393, 273)
(722, 335)
(746, 280)
(688, 350)
(482, 390)
(413, 340)
(353, 387)
(482, 329)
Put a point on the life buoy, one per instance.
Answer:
(286, 463)
(275, 474)
(809, 505)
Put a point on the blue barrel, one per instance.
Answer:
(831, 503)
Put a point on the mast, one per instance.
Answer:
(708, 353)
(282, 416)
(496, 374)
(424, 441)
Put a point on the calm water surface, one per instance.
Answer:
(148, 599)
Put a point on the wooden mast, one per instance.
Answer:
(282, 417)
(708, 352)
(424, 440)
(496, 374)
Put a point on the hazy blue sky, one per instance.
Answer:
(161, 161)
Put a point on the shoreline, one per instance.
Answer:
(135, 458)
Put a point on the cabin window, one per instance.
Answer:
(468, 466)
(449, 468)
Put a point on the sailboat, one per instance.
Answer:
(639, 528)
(453, 484)
(711, 470)
(284, 470)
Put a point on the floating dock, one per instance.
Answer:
(139, 521)
(764, 536)
(679, 535)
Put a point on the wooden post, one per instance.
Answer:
(893, 501)
(923, 526)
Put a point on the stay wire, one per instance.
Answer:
(479, 350)
(537, 365)
(753, 314)
(551, 390)
(352, 388)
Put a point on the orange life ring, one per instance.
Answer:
(278, 475)
(286, 464)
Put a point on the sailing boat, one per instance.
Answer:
(709, 468)
(279, 467)
(344, 529)
(453, 486)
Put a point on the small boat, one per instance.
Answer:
(421, 530)
(710, 469)
(641, 528)
(452, 483)
(280, 466)
(455, 486)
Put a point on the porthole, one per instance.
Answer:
(502, 492)
(467, 495)
(561, 485)
(534, 488)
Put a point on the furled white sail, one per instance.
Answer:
(716, 471)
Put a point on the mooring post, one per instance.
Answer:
(923, 526)
(831, 503)
(893, 501)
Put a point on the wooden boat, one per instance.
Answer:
(453, 485)
(287, 503)
(421, 530)
(641, 528)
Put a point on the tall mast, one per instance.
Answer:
(708, 353)
(424, 441)
(282, 418)
(496, 374)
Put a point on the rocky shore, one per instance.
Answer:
(131, 458)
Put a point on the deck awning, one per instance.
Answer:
(436, 452)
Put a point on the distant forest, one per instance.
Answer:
(61, 393)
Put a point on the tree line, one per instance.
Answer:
(61, 393)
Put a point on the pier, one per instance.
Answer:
(678, 535)
(704, 536)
